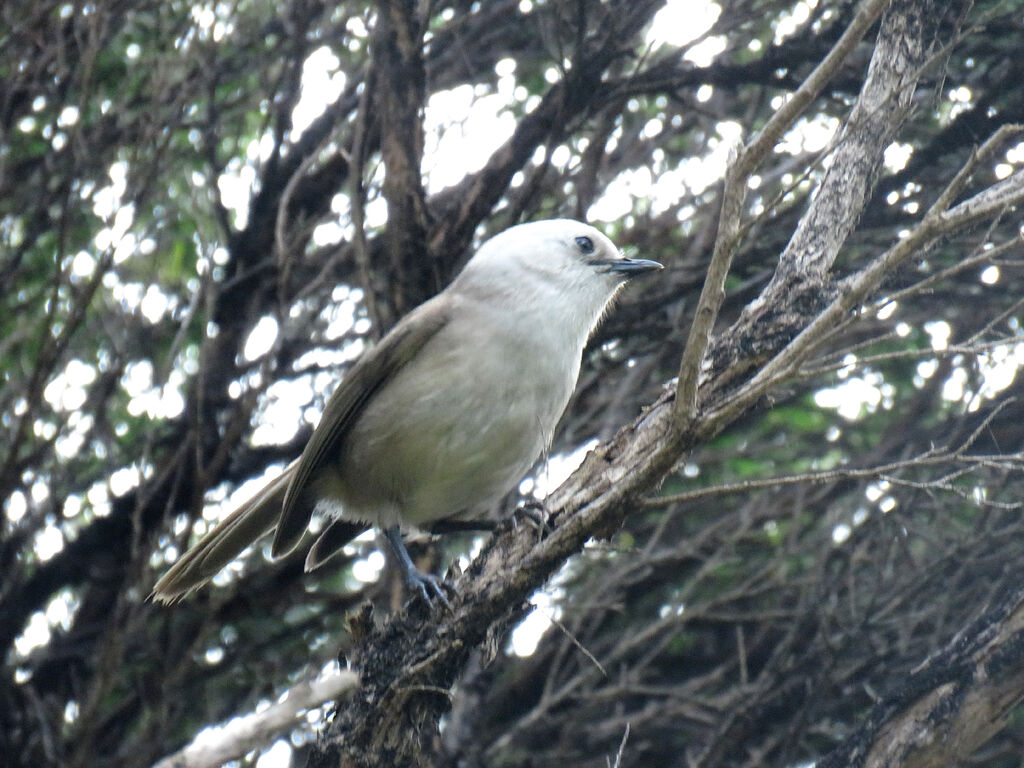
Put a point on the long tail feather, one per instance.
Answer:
(224, 543)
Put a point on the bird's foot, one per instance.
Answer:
(536, 514)
(427, 585)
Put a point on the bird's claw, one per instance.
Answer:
(429, 586)
(537, 514)
(426, 584)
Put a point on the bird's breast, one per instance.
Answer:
(455, 429)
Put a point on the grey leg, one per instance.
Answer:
(428, 585)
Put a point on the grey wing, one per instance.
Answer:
(373, 371)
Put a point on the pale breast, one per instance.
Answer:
(455, 430)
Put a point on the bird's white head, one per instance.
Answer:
(559, 268)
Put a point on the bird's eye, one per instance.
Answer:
(585, 244)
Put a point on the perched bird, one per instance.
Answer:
(446, 413)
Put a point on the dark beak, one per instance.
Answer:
(628, 267)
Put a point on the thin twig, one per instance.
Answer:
(574, 641)
(909, 354)
(980, 256)
(357, 207)
(936, 223)
(929, 458)
(622, 749)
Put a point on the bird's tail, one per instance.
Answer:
(225, 542)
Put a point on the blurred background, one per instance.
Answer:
(197, 238)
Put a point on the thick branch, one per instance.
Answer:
(901, 52)
(731, 224)
(400, 79)
(953, 703)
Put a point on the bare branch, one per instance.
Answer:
(730, 217)
(234, 739)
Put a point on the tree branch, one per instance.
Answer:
(730, 220)
(400, 79)
(232, 740)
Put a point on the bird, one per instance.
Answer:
(443, 416)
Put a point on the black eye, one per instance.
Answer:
(585, 244)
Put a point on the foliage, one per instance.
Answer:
(192, 251)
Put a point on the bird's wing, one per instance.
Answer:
(374, 369)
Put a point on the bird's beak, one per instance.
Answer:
(629, 267)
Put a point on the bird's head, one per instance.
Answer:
(560, 261)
